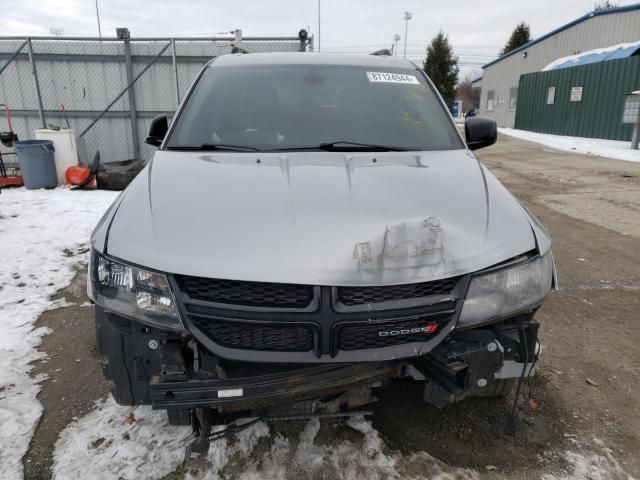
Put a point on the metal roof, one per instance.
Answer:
(627, 8)
(615, 52)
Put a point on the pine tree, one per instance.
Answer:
(442, 66)
(520, 35)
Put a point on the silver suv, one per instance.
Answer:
(310, 225)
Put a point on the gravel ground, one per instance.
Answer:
(588, 386)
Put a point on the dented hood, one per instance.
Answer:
(316, 218)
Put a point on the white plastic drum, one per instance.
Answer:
(66, 150)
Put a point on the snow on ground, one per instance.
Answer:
(590, 146)
(105, 445)
(120, 442)
(42, 232)
(592, 466)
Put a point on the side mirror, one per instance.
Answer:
(480, 132)
(157, 130)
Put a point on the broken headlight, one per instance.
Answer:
(132, 292)
(507, 291)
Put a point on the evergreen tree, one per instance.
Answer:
(520, 35)
(442, 66)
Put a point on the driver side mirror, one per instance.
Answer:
(480, 132)
(157, 130)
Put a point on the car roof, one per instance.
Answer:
(312, 58)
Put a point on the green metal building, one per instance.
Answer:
(586, 100)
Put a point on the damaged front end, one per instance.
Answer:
(179, 342)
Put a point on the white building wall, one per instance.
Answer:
(596, 32)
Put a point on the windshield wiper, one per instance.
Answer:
(206, 147)
(345, 146)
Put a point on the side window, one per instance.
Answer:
(490, 100)
(513, 98)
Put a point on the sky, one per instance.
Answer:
(476, 29)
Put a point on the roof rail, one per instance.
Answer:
(383, 52)
(238, 50)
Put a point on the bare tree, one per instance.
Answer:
(465, 92)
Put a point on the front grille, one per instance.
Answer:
(256, 336)
(253, 294)
(317, 321)
(351, 296)
(367, 335)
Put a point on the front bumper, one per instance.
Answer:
(169, 371)
(259, 391)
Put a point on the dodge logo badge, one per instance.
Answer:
(430, 328)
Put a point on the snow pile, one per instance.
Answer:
(592, 466)
(120, 442)
(305, 459)
(42, 232)
(105, 445)
(590, 146)
(599, 54)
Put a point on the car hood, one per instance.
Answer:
(321, 218)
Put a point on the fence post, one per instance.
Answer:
(34, 71)
(175, 70)
(133, 113)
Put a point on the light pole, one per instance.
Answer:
(318, 25)
(98, 17)
(396, 39)
(407, 17)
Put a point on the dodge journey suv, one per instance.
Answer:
(313, 225)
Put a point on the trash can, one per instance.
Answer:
(37, 163)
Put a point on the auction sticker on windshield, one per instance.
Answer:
(392, 78)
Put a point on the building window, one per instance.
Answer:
(513, 98)
(490, 97)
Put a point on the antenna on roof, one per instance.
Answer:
(383, 52)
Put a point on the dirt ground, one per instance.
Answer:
(588, 382)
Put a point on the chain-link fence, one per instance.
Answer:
(108, 90)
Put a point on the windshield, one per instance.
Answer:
(285, 107)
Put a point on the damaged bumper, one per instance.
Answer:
(169, 371)
(264, 390)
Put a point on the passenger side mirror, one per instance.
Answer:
(157, 130)
(480, 132)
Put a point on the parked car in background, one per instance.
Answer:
(311, 225)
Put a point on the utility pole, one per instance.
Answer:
(319, 25)
(407, 17)
(98, 17)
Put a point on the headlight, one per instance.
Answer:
(507, 291)
(132, 292)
